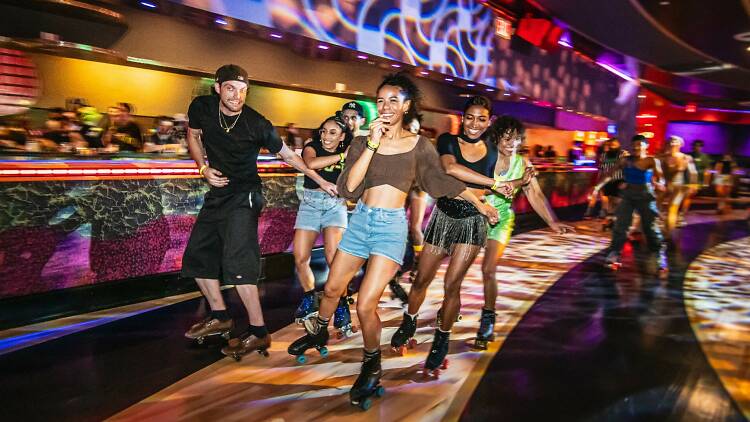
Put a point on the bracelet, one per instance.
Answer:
(372, 146)
(341, 157)
(496, 185)
(202, 169)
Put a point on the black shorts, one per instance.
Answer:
(454, 222)
(612, 188)
(224, 242)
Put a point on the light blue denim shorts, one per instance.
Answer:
(318, 210)
(376, 231)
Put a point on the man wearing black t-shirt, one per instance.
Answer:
(223, 245)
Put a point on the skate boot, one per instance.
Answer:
(663, 263)
(316, 340)
(613, 261)
(439, 318)
(436, 359)
(397, 291)
(403, 338)
(308, 308)
(209, 327)
(247, 343)
(368, 382)
(486, 332)
(342, 319)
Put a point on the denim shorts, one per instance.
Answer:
(319, 210)
(376, 231)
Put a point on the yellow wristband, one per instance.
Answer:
(341, 157)
(495, 185)
(372, 146)
(202, 169)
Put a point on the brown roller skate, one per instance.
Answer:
(209, 327)
(247, 343)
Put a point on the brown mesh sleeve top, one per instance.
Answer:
(421, 164)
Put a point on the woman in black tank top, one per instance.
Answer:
(456, 227)
(318, 212)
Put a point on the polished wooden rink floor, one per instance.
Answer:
(574, 342)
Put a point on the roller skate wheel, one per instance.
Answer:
(236, 357)
(366, 404)
(354, 329)
(380, 391)
(350, 300)
(323, 352)
(400, 350)
(301, 359)
(412, 343)
(263, 352)
(459, 317)
(339, 334)
(480, 344)
(200, 340)
(445, 364)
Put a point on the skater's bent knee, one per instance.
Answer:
(332, 291)
(365, 309)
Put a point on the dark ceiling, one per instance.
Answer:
(686, 38)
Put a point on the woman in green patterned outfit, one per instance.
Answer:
(508, 133)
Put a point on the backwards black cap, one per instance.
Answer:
(230, 72)
(353, 105)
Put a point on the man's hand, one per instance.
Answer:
(490, 212)
(329, 188)
(560, 228)
(215, 178)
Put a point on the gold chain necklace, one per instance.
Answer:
(224, 125)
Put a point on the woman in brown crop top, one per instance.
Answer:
(379, 171)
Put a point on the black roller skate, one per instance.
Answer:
(342, 319)
(663, 263)
(403, 338)
(397, 291)
(436, 360)
(486, 332)
(613, 261)
(317, 340)
(368, 382)
(308, 308)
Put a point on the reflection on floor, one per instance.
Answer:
(21, 337)
(277, 388)
(717, 299)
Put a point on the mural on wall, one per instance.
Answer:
(450, 36)
(62, 234)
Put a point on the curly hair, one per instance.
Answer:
(409, 90)
(505, 126)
